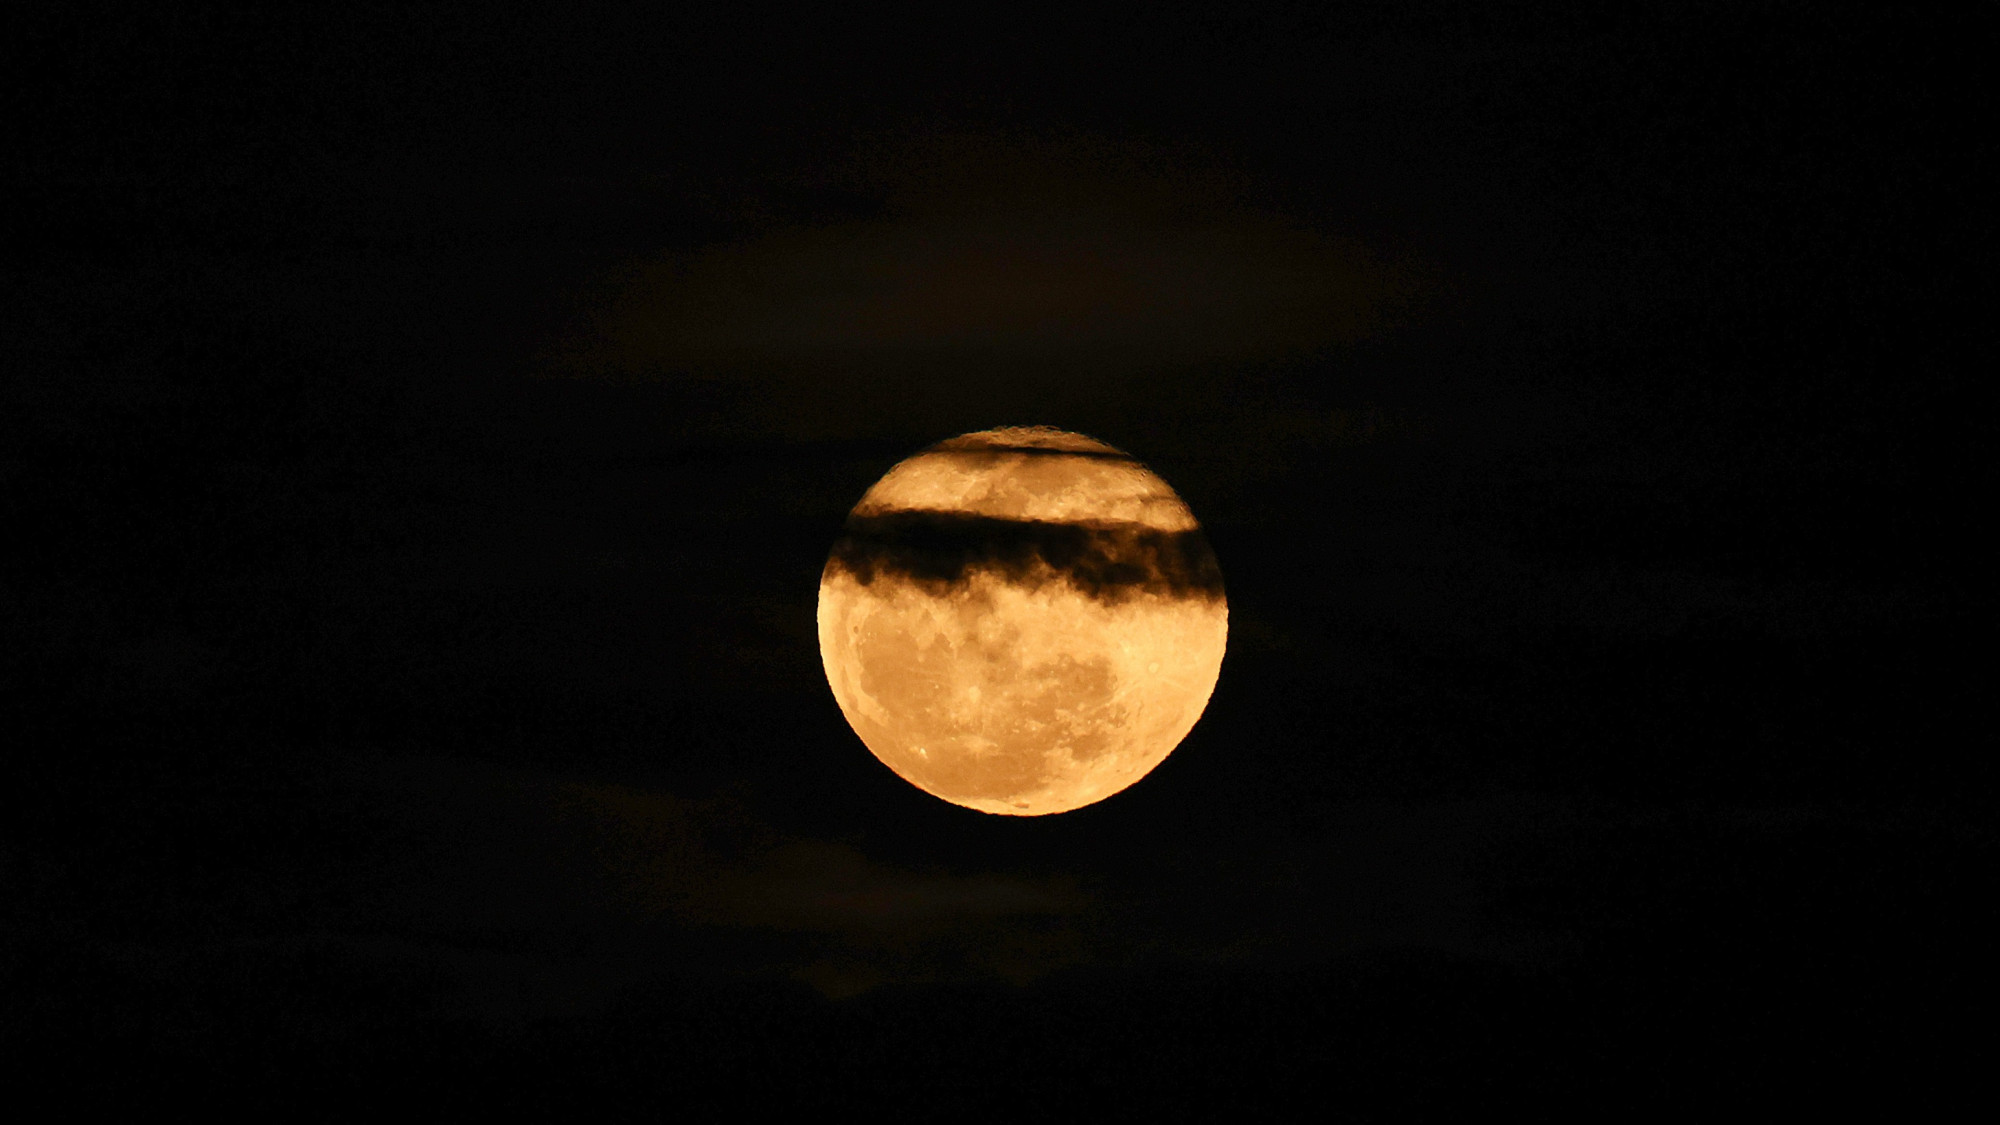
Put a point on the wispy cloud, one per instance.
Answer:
(1071, 254)
(486, 852)
(834, 888)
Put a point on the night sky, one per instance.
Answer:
(421, 435)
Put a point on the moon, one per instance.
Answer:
(1022, 620)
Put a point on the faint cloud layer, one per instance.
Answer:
(636, 874)
(583, 890)
(458, 889)
(1072, 255)
(878, 924)
(831, 887)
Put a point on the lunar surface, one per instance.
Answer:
(1022, 621)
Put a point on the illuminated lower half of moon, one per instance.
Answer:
(1012, 697)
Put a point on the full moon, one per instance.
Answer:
(1021, 621)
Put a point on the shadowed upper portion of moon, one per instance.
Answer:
(1032, 505)
(1106, 561)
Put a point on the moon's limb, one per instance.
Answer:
(1047, 636)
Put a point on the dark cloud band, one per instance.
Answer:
(1106, 561)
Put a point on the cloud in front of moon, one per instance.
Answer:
(1022, 621)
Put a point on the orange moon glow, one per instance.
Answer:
(1021, 621)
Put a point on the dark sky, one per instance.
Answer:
(423, 433)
